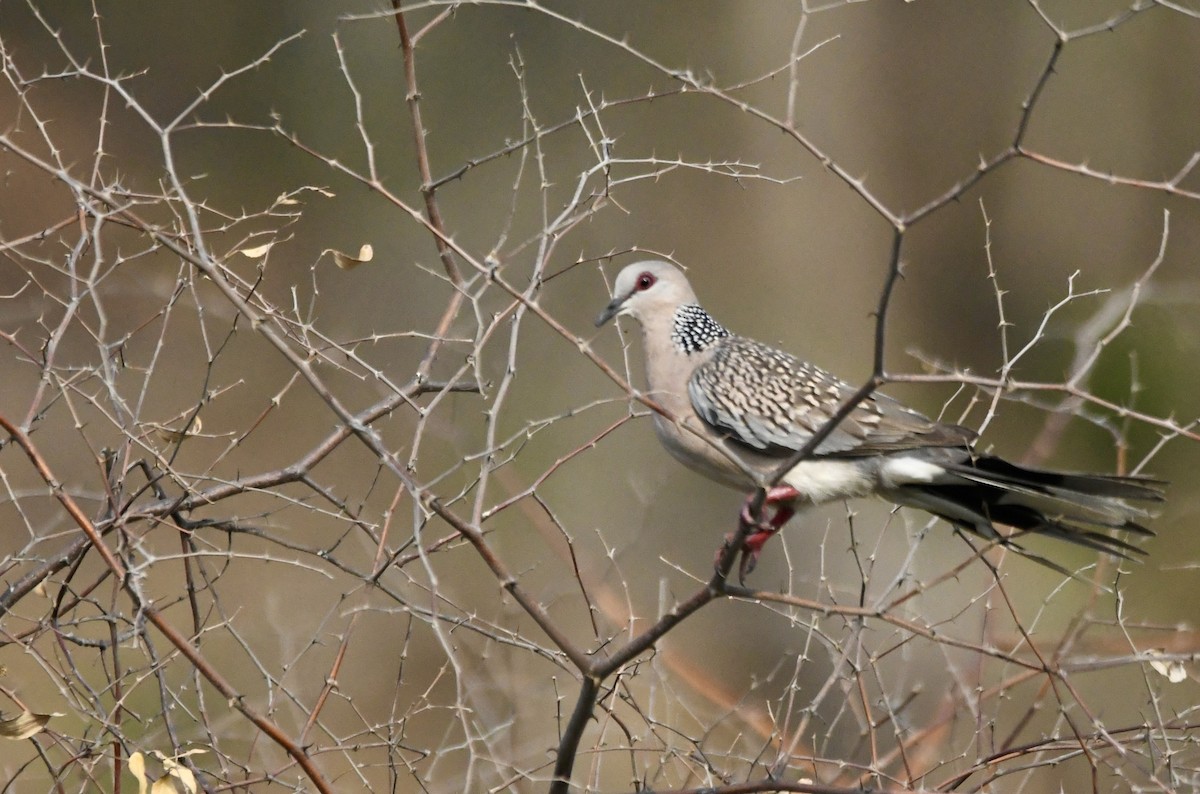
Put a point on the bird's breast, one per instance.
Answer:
(700, 455)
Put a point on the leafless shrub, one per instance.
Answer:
(316, 476)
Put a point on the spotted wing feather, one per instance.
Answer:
(773, 402)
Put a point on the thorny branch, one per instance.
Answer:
(152, 485)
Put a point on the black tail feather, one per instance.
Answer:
(1116, 486)
(1079, 508)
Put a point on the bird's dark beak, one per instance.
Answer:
(610, 311)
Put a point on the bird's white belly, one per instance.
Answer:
(822, 480)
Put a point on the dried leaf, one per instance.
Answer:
(348, 262)
(175, 436)
(258, 251)
(137, 768)
(182, 773)
(286, 199)
(23, 725)
(164, 785)
(1172, 670)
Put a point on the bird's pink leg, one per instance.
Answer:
(783, 498)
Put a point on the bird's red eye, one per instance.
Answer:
(645, 281)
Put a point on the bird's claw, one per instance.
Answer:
(759, 530)
(750, 551)
(750, 522)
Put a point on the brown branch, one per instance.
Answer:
(568, 745)
(429, 192)
(181, 643)
(802, 787)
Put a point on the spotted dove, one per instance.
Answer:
(739, 409)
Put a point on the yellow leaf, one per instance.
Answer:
(182, 773)
(164, 785)
(288, 200)
(23, 725)
(258, 251)
(348, 262)
(172, 436)
(1173, 670)
(137, 768)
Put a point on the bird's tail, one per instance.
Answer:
(1084, 509)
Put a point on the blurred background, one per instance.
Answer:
(237, 124)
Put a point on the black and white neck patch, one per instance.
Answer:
(694, 329)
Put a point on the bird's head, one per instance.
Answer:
(647, 289)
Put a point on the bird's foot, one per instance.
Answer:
(748, 520)
(752, 548)
(783, 499)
